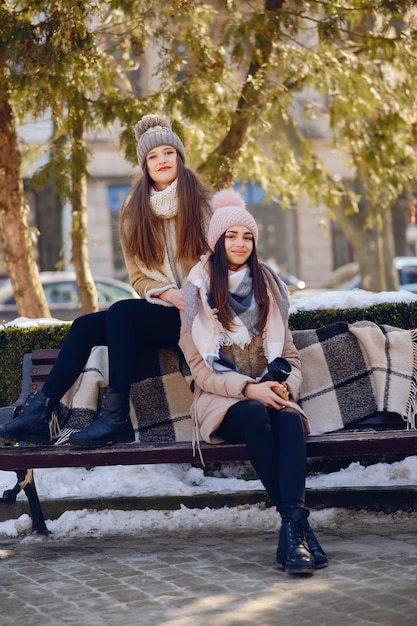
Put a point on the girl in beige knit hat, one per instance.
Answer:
(235, 327)
(163, 229)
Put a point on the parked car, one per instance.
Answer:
(343, 278)
(61, 293)
(293, 282)
(407, 272)
(347, 277)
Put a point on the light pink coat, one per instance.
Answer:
(216, 392)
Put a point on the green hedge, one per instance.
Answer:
(15, 342)
(397, 314)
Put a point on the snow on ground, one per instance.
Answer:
(184, 480)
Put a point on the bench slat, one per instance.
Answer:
(336, 445)
(40, 370)
(45, 355)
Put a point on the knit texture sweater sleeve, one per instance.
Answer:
(142, 283)
(148, 287)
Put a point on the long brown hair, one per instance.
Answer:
(219, 285)
(140, 229)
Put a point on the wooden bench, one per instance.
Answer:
(392, 440)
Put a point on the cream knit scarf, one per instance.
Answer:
(164, 203)
(165, 206)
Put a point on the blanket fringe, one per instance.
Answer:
(65, 434)
(54, 427)
(411, 404)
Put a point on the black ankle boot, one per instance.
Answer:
(317, 552)
(319, 555)
(293, 554)
(30, 422)
(112, 425)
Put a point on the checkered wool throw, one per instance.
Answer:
(352, 371)
(160, 399)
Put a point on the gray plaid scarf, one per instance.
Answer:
(242, 299)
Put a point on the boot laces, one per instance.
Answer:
(296, 532)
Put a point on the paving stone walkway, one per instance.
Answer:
(198, 577)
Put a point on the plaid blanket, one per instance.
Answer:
(352, 371)
(160, 397)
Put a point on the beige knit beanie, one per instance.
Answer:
(153, 131)
(229, 209)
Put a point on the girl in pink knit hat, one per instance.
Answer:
(237, 342)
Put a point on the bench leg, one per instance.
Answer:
(25, 481)
(38, 520)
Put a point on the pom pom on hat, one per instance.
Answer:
(229, 209)
(152, 131)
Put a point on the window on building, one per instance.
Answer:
(115, 196)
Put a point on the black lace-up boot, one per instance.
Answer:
(31, 421)
(293, 554)
(318, 554)
(112, 425)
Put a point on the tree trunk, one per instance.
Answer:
(218, 167)
(374, 248)
(18, 251)
(79, 235)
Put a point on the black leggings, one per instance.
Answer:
(127, 327)
(276, 445)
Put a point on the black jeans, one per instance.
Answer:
(276, 444)
(127, 327)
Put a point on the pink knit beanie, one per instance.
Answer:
(229, 210)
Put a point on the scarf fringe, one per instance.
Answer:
(196, 431)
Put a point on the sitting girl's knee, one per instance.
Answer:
(256, 415)
(117, 311)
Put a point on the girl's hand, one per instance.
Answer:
(174, 296)
(264, 392)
